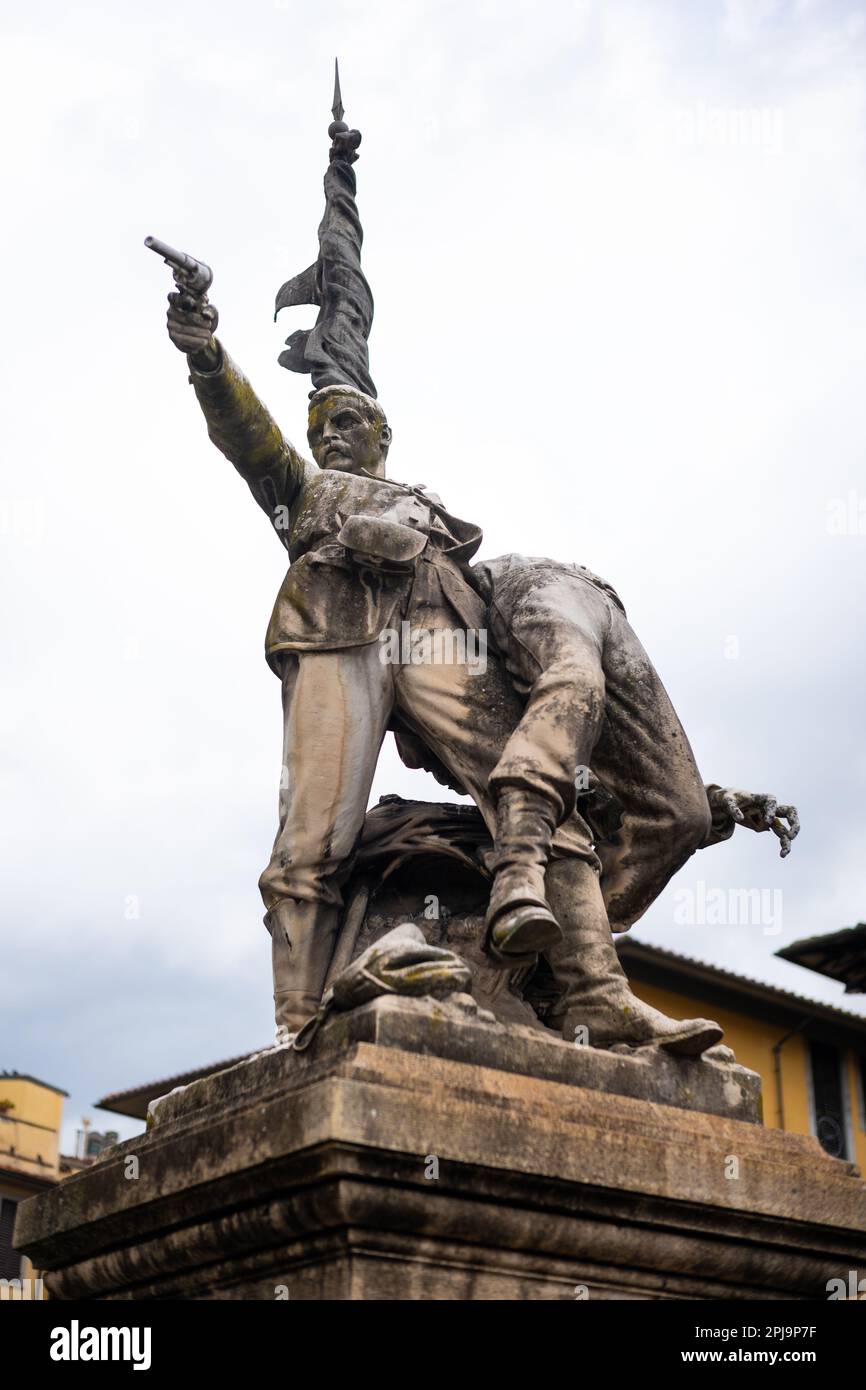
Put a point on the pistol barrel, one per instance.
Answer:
(197, 275)
(168, 253)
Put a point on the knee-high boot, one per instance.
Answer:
(597, 994)
(303, 937)
(519, 921)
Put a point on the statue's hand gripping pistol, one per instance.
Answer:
(192, 321)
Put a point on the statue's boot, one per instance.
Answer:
(598, 996)
(519, 922)
(303, 937)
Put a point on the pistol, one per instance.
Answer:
(193, 278)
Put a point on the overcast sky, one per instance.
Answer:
(617, 252)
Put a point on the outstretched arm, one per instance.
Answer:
(729, 808)
(238, 423)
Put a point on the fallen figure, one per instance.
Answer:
(594, 701)
(597, 718)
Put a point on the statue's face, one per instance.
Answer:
(343, 436)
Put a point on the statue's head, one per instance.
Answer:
(347, 431)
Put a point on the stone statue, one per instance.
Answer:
(566, 689)
(367, 555)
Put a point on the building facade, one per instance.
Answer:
(811, 1056)
(31, 1113)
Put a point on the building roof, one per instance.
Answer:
(632, 949)
(23, 1177)
(134, 1102)
(841, 955)
(23, 1076)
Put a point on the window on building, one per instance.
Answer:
(10, 1261)
(828, 1099)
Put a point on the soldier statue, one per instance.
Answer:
(566, 688)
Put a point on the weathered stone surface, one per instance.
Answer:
(313, 1172)
(457, 1030)
(559, 728)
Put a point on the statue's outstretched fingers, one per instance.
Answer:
(780, 828)
(770, 810)
(789, 813)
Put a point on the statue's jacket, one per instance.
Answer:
(327, 599)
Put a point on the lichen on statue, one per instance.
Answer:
(348, 430)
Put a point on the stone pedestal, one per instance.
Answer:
(424, 1151)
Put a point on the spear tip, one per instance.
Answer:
(337, 108)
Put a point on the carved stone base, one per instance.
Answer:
(421, 1151)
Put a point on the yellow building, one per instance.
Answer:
(31, 1114)
(811, 1057)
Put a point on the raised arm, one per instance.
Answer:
(238, 423)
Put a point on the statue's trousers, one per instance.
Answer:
(595, 700)
(337, 706)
